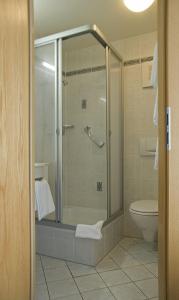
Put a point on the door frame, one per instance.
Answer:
(163, 184)
(163, 166)
(32, 151)
(172, 160)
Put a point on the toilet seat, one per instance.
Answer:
(145, 207)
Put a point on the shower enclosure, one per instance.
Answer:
(79, 131)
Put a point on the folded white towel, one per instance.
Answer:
(43, 199)
(89, 231)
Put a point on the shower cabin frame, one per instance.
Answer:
(57, 39)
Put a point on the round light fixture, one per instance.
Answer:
(138, 5)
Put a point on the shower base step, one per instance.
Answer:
(61, 243)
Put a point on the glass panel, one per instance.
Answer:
(84, 131)
(116, 136)
(45, 116)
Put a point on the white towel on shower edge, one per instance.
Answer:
(43, 199)
(89, 231)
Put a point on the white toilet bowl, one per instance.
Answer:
(145, 215)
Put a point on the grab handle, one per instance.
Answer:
(89, 133)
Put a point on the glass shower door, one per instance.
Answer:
(84, 163)
(45, 116)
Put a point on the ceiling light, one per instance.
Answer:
(138, 5)
(48, 66)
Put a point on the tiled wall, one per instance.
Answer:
(140, 178)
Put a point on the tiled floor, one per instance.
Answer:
(128, 272)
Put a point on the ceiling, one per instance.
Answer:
(111, 16)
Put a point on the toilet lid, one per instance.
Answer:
(145, 206)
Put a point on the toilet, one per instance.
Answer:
(145, 215)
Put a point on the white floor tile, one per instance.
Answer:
(37, 257)
(127, 243)
(61, 273)
(133, 249)
(62, 288)
(117, 251)
(134, 246)
(89, 282)
(114, 277)
(126, 261)
(102, 294)
(127, 292)
(153, 247)
(38, 261)
(71, 297)
(137, 259)
(41, 292)
(52, 263)
(153, 268)
(149, 287)
(106, 264)
(138, 273)
(146, 257)
(79, 269)
(40, 278)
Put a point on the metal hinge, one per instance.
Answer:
(168, 127)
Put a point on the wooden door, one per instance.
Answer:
(172, 96)
(15, 151)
